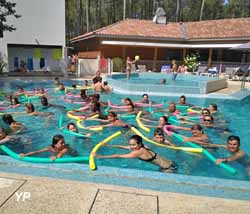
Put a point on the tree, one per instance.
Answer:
(6, 9)
(178, 10)
(202, 7)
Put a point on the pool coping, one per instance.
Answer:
(194, 185)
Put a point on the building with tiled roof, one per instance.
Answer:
(163, 42)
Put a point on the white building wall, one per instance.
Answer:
(42, 22)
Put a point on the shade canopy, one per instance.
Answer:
(245, 47)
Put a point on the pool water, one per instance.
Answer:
(169, 82)
(40, 131)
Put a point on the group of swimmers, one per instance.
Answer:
(208, 118)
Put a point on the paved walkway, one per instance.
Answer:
(24, 194)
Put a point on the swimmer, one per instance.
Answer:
(14, 101)
(13, 125)
(5, 138)
(163, 81)
(83, 94)
(112, 121)
(56, 81)
(159, 137)
(163, 121)
(58, 148)
(106, 87)
(98, 87)
(46, 104)
(30, 111)
(200, 138)
(233, 146)
(72, 127)
(60, 88)
(86, 83)
(145, 99)
(138, 150)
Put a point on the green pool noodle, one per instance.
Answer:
(207, 153)
(43, 160)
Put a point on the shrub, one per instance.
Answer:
(191, 61)
(118, 64)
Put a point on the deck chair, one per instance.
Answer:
(166, 69)
(202, 70)
(141, 68)
(229, 72)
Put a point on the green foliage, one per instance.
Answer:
(7, 9)
(3, 64)
(106, 12)
(118, 64)
(191, 61)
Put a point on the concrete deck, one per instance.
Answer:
(27, 194)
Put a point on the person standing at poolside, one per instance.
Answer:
(129, 63)
(174, 69)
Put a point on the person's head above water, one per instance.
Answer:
(29, 108)
(44, 101)
(159, 135)
(233, 143)
(72, 127)
(182, 100)
(8, 119)
(135, 142)
(58, 142)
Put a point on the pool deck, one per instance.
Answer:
(27, 194)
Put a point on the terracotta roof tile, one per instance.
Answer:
(222, 28)
(210, 29)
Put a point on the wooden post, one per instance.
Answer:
(219, 55)
(124, 53)
(210, 52)
(155, 58)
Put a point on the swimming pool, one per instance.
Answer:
(151, 83)
(40, 131)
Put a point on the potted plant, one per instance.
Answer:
(191, 61)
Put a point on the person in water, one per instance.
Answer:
(145, 99)
(30, 111)
(72, 127)
(46, 104)
(138, 150)
(111, 121)
(233, 146)
(13, 125)
(159, 137)
(58, 148)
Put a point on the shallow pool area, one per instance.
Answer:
(194, 171)
(152, 83)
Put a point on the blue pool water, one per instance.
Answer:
(41, 130)
(151, 83)
(177, 82)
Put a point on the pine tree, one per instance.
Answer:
(6, 9)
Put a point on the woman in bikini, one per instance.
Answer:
(138, 150)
